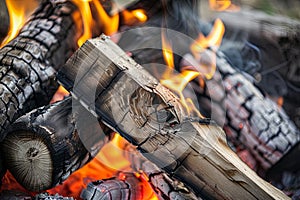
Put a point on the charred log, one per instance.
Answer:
(129, 187)
(4, 17)
(132, 102)
(251, 120)
(43, 147)
(29, 62)
(2, 169)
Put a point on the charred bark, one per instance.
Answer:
(132, 102)
(127, 188)
(29, 62)
(251, 120)
(45, 146)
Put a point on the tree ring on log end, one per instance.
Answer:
(29, 160)
(147, 107)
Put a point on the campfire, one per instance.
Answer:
(147, 100)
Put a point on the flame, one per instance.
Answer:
(18, 12)
(60, 94)
(222, 5)
(110, 23)
(177, 82)
(85, 11)
(206, 59)
(134, 16)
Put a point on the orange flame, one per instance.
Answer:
(18, 11)
(134, 16)
(205, 59)
(110, 23)
(222, 5)
(85, 11)
(60, 94)
(177, 82)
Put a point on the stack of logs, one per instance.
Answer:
(111, 92)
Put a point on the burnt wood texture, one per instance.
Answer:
(251, 119)
(44, 146)
(129, 100)
(29, 62)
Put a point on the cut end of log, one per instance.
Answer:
(28, 158)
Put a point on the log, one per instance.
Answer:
(129, 100)
(45, 146)
(4, 17)
(125, 186)
(29, 62)
(251, 119)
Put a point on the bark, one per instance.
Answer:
(251, 120)
(132, 102)
(45, 146)
(127, 188)
(29, 62)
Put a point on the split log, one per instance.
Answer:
(4, 17)
(29, 62)
(45, 146)
(132, 102)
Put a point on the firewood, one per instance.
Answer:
(129, 100)
(251, 119)
(4, 17)
(2, 169)
(128, 187)
(29, 62)
(43, 147)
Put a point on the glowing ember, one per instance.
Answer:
(18, 12)
(60, 94)
(222, 5)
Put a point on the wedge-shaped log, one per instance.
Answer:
(129, 100)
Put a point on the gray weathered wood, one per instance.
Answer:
(129, 100)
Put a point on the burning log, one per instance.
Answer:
(129, 100)
(29, 62)
(251, 120)
(43, 147)
(126, 186)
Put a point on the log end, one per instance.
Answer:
(29, 160)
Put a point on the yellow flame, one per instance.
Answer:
(177, 82)
(206, 60)
(110, 23)
(222, 5)
(133, 17)
(85, 11)
(168, 56)
(17, 16)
